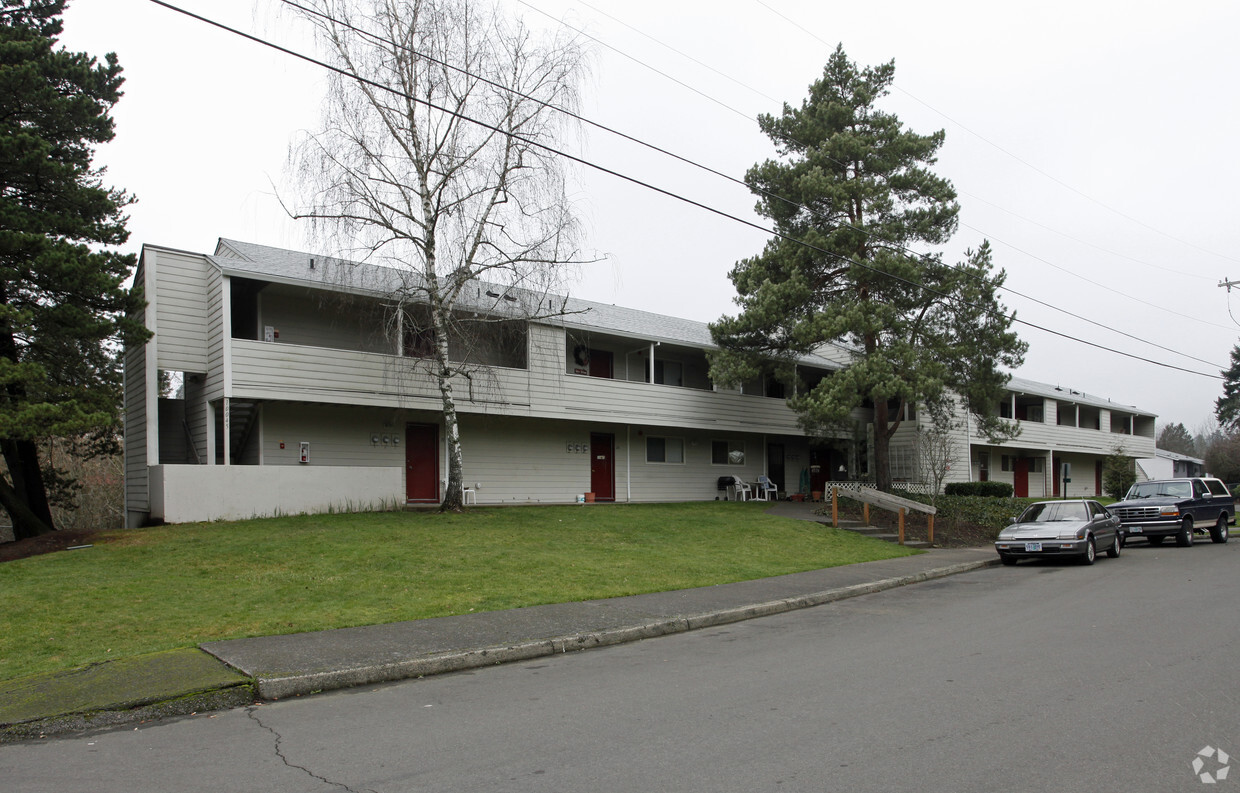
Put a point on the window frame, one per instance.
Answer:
(730, 448)
(665, 439)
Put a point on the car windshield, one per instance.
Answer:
(1160, 490)
(1055, 511)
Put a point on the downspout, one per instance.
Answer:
(968, 442)
(628, 462)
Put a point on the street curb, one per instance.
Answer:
(275, 688)
(199, 702)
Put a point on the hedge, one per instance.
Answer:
(985, 489)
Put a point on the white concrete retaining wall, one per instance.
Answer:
(186, 493)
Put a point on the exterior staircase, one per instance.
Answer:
(808, 511)
(875, 532)
(243, 417)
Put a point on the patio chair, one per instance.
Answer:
(741, 489)
(765, 490)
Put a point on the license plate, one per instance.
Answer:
(1134, 530)
(1033, 546)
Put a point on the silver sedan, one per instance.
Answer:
(1077, 528)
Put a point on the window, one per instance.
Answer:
(1037, 465)
(665, 450)
(1034, 413)
(1005, 409)
(903, 462)
(727, 452)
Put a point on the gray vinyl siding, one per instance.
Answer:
(215, 331)
(316, 318)
(549, 461)
(337, 435)
(528, 461)
(137, 477)
(289, 371)
(180, 309)
(275, 371)
(511, 460)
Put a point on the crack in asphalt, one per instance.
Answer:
(279, 739)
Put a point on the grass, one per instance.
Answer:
(147, 590)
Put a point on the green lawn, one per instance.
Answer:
(145, 590)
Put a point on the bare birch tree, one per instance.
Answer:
(433, 159)
(936, 452)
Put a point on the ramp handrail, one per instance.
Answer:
(869, 496)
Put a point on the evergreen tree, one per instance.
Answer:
(1227, 407)
(850, 193)
(1118, 473)
(62, 301)
(1222, 458)
(1176, 438)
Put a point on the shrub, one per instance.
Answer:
(982, 489)
(1118, 474)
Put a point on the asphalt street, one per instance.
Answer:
(1052, 677)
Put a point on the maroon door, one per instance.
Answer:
(422, 462)
(1020, 477)
(1055, 474)
(1098, 477)
(603, 466)
(601, 365)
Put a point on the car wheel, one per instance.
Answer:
(1113, 551)
(1007, 559)
(1091, 553)
(1185, 538)
(1220, 533)
(1155, 540)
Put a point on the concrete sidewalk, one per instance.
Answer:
(231, 673)
(304, 663)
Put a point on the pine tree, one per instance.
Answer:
(849, 195)
(63, 305)
(1227, 407)
(1176, 438)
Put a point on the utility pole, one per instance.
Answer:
(1228, 283)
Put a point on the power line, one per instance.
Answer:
(1080, 241)
(1001, 149)
(867, 232)
(661, 191)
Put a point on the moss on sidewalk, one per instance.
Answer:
(126, 685)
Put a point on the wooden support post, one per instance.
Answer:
(930, 532)
(835, 507)
(865, 512)
(901, 525)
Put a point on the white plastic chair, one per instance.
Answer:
(765, 490)
(741, 489)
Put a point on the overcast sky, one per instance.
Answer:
(1093, 143)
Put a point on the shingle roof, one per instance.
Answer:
(1034, 388)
